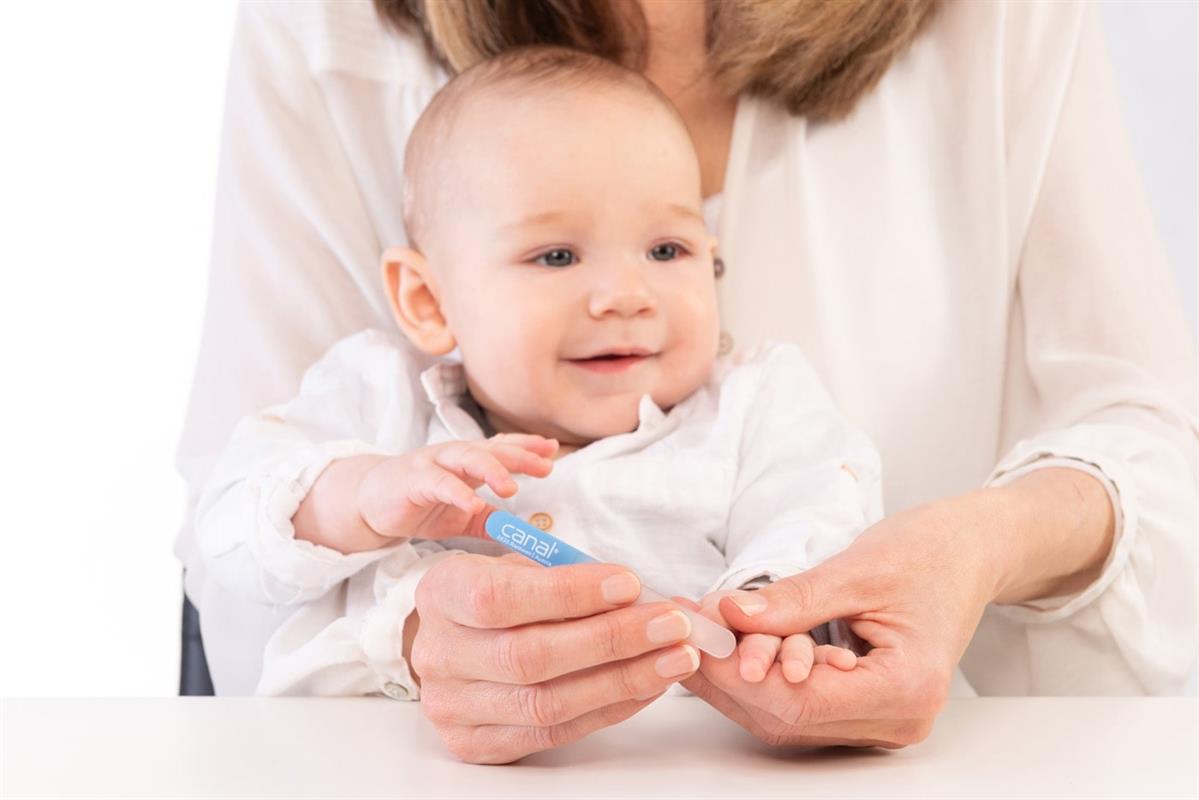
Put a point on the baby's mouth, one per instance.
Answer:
(612, 361)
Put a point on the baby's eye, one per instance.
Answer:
(664, 252)
(560, 257)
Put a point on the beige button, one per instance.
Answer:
(396, 691)
(542, 521)
(726, 344)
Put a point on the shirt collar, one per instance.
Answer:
(445, 384)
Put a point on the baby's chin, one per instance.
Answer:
(601, 418)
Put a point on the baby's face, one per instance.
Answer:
(574, 268)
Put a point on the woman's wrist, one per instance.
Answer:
(1052, 529)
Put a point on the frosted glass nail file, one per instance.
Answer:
(549, 551)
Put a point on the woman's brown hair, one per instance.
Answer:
(814, 57)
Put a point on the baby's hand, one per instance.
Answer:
(430, 493)
(796, 654)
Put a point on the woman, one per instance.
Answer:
(937, 204)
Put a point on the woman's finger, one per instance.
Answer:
(701, 685)
(832, 590)
(797, 655)
(686, 602)
(562, 699)
(539, 652)
(502, 744)
(756, 654)
(482, 592)
(710, 606)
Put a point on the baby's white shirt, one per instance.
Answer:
(754, 476)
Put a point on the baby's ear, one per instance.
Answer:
(413, 297)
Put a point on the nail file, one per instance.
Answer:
(549, 551)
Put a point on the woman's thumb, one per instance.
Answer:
(794, 604)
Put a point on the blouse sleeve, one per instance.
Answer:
(357, 399)
(291, 242)
(807, 483)
(1101, 378)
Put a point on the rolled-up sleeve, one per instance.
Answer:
(1101, 378)
(360, 398)
(349, 641)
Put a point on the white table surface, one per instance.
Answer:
(351, 748)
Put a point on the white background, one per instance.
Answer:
(108, 147)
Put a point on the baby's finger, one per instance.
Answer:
(446, 487)
(518, 459)
(528, 441)
(757, 652)
(686, 602)
(710, 606)
(477, 463)
(837, 657)
(797, 656)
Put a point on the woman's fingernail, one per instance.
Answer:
(750, 603)
(673, 626)
(622, 587)
(679, 661)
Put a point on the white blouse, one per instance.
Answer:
(968, 261)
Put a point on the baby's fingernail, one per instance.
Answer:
(679, 661)
(752, 671)
(794, 673)
(750, 603)
(622, 587)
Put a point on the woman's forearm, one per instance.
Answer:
(329, 514)
(1054, 531)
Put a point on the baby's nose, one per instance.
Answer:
(623, 292)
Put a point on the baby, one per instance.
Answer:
(553, 207)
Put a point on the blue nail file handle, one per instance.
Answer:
(532, 542)
(550, 551)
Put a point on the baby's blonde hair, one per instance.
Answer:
(528, 69)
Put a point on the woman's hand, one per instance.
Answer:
(914, 587)
(513, 658)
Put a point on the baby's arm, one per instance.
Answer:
(807, 485)
(291, 508)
